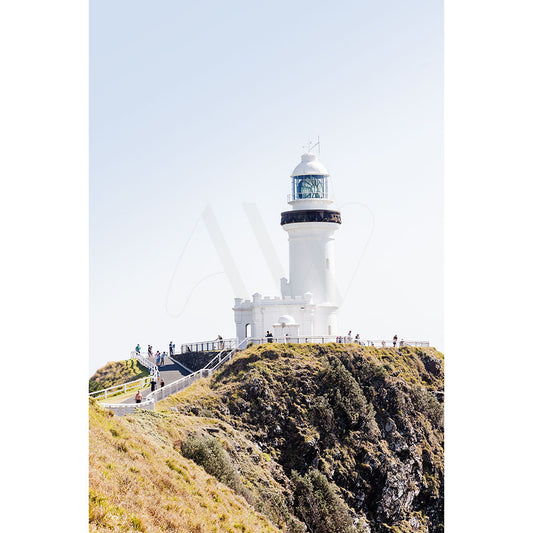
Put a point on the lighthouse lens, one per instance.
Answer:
(309, 187)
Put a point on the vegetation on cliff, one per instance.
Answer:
(115, 373)
(324, 438)
(139, 480)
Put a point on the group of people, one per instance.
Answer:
(159, 361)
(153, 385)
(349, 338)
(159, 357)
(394, 342)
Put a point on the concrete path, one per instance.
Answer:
(170, 372)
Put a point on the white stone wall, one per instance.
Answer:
(262, 313)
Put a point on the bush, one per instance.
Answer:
(95, 386)
(426, 403)
(207, 452)
(345, 397)
(318, 506)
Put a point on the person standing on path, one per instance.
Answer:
(157, 358)
(138, 349)
(152, 383)
(163, 358)
(138, 397)
(394, 340)
(162, 384)
(170, 350)
(149, 350)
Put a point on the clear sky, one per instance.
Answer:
(208, 105)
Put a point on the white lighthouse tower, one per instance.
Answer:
(311, 225)
(308, 303)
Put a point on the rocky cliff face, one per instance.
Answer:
(365, 424)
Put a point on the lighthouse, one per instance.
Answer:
(308, 304)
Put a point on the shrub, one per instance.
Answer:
(345, 397)
(426, 403)
(318, 505)
(207, 452)
(95, 386)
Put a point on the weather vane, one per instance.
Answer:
(311, 145)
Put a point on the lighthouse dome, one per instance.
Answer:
(310, 165)
(286, 319)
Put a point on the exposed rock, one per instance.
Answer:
(367, 419)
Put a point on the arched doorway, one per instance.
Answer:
(247, 330)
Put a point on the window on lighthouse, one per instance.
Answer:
(309, 187)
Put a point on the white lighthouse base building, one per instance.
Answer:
(286, 318)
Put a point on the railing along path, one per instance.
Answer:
(208, 346)
(337, 339)
(123, 388)
(176, 386)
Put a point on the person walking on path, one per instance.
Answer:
(138, 349)
(138, 397)
(163, 358)
(170, 350)
(162, 384)
(149, 350)
(152, 383)
(394, 340)
(157, 358)
(173, 349)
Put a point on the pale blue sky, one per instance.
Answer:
(210, 103)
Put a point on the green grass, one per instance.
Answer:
(117, 373)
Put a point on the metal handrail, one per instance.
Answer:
(381, 343)
(338, 339)
(123, 387)
(295, 339)
(208, 346)
(143, 360)
(229, 355)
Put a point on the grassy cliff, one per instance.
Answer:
(323, 438)
(140, 481)
(115, 373)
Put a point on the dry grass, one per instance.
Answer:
(139, 481)
(117, 372)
